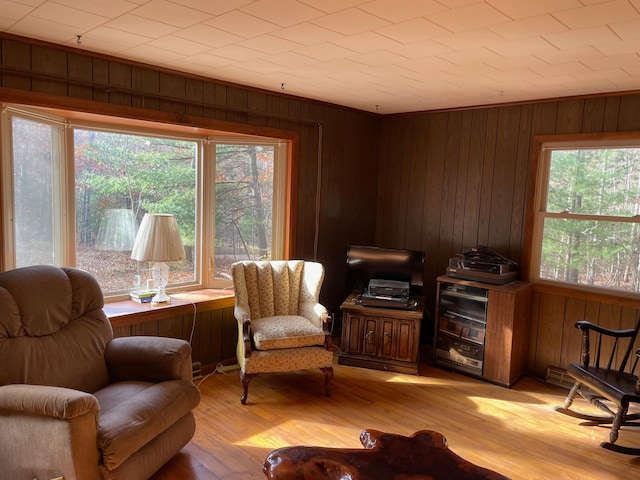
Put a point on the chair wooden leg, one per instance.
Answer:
(572, 394)
(245, 378)
(328, 375)
(617, 423)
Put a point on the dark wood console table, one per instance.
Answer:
(380, 338)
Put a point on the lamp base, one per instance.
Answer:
(160, 273)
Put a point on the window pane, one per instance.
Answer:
(119, 178)
(244, 205)
(33, 151)
(595, 182)
(594, 253)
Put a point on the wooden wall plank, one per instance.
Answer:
(473, 184)
(16, 56)
(80, 68)
(550, 326)
(49, 62)
(147, 85)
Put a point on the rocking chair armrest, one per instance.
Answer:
(585, 326)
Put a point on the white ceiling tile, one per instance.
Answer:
(118, 39)
(421, 49)
(28, 3)
(350, 21)
(367, 42)
(143, 26)
(528, 27)
(626, 30)
(469, 17)
(573, 68)
(412, 31)
(324, 52)
(617, 61)
(238, 53)
(590, 16)
(68, 16)
(332, 6)
(519, 9)
(307, 34)
(212, 7)
(402, 10)
(569, 55)
(581, 38)
(269, 44)
(104, 8)
(170, 13)
(206, 60)
(206, 35)
(10, 12)
(377, 59)
(618, 47)
(517, 48)
(290, 59)
(282, 12)
(242, 24)
(471, 55)
(481, 37)
(359, 52)
(173, 43)
(43, 29)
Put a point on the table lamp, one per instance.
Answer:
(158, 240)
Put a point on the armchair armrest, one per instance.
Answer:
(149, 358)
(48, 432)
(58, 402)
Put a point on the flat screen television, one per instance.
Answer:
(366, 262)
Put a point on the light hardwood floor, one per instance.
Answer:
(513, 431)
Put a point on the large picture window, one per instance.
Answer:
(74, 193)
(587, 220)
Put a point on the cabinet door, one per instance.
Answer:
(370, 336)
(405, 341)
(352, 333)
(387, 334)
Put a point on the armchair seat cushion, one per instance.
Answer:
(149, 409)
(286, 331)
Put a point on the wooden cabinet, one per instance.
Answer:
(482, 329)
(380, 338)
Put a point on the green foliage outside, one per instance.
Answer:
(593, 236)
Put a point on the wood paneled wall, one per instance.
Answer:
(337, 147)
(450, 180)
(436, 181)
(213, 336)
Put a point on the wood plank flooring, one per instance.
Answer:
(513, 431)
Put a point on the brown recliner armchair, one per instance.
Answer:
(75, 402)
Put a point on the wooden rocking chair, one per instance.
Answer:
(601, 381)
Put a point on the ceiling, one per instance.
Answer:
(384, 56)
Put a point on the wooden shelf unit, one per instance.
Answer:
(505, 339)
(380, 338)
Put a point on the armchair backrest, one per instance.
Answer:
(277, 287)
(53, 330)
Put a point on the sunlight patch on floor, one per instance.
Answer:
(276, 437)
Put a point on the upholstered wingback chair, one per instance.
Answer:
(281, 324)
(76, 403)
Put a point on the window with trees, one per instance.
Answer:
(74, 193)
(586, 226)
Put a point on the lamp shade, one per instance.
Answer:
(158, 239)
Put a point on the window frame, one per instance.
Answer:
(542, 147)
(206, 133)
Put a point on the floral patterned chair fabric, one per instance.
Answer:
(281, 324)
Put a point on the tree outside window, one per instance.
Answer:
(589, 215)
